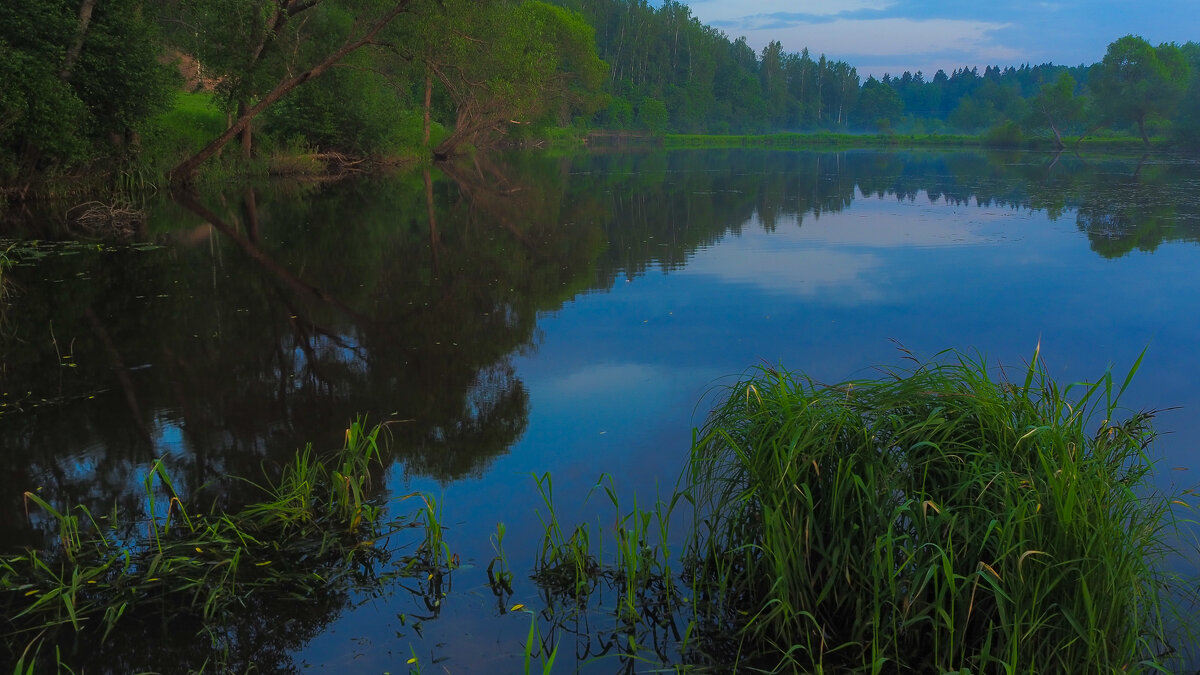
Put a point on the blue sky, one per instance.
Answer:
(879, 36)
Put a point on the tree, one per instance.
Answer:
(357, 24)
(1136, 82)
(78, 79)
(1056, 105)
(652, 114)
(774, 82)
(878, 105)
(507, 63)
(1187, 125)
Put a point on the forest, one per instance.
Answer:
(146, 90)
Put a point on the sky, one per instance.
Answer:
(891, 36)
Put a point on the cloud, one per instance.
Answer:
(847, 257)
(781, 264)
(711, 11)
(603, 379)
(972, 40)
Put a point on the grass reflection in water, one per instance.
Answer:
(215, 591)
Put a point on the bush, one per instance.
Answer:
(1004, 135)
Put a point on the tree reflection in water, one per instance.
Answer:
(271, 317)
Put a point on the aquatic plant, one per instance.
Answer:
(932, 520)
(575, 574)
(215, 577)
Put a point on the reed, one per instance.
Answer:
(575, 573)
(316, 535)
(932, 520)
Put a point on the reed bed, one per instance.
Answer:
(932, 520)
(316, 536)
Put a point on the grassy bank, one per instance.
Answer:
(826, 140)
(936, 519)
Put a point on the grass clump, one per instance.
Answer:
(933, 520)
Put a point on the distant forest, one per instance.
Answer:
(712, 84)
(162, 87)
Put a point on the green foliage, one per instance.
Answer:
(59, 109)
(933, 520)
(351, 109)
(879, 105)
(1136, 82)
(1186, 128)
(507, 67)
(652, 115)
(1056, 106)
(1004, 135)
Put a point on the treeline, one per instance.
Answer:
(665, 58)
(91, 84)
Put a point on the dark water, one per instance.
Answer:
(562, 315)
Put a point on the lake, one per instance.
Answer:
(572, 315)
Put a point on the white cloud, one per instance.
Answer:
(843, 256)
(723, 10)
(781, 264)
(604, 379)
(970, 40)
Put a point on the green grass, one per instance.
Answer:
(936, 519)
(794, 141)
(189, 125)
(818, 140)
(932, 520)
(315, 536)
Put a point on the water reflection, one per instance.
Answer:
(271, 317)
(268, 318)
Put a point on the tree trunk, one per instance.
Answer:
(428, 102)
(247, 133)
(85, 19)
(434, 240)
(1142, 129)
(1058, 141)
(1088, 132)
(183, 173)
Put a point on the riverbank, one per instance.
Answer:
(817, 140)
(194, 119)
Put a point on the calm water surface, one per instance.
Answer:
(562, 315)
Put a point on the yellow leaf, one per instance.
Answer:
(1026, 554)
(199, 550)
(263, 564)
(517, 607)
(412, 660)
(988, 567)
(33, 592)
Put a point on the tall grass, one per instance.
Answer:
(6, 261)
(933, 520)
(314, 536)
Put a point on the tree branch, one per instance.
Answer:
(183, 173)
